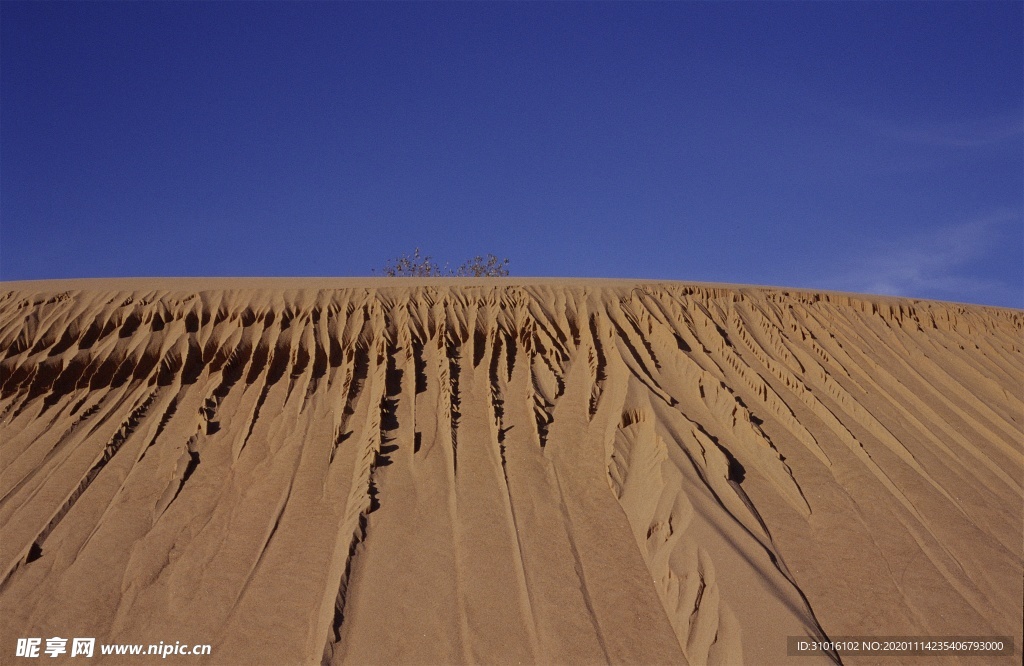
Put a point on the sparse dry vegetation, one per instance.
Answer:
(420, 265)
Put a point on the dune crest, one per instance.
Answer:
(499, 471)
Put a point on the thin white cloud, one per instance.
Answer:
(975, 133)
(938, 264)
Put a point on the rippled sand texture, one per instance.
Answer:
(490, 471)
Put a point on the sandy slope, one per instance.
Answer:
(499, 471)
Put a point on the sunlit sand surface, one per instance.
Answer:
(504, 471)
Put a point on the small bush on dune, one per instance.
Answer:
(489, 266)
(416, 265)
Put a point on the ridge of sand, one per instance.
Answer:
(492, 471)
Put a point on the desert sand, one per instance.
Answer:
(443, 471)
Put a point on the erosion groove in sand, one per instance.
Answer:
(494, 471)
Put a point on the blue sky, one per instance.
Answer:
(875, 147)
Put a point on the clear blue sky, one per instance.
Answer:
(873, 147)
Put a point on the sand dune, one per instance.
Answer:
(504, 471)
